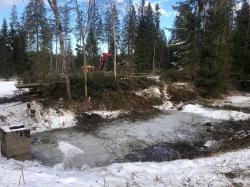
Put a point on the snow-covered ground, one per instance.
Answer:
(229, 169)
(241, 101)
(106, 114)
(215, 113)
(34, 116)
(7, 88)
(151, 92)
(156, 92)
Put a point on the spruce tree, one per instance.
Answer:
(145, 38)
(18, 44)
(215, 68)
(95, 34)
(129, 30)
(111, 17)
(241, 44)
(5, 51)
(36, 26)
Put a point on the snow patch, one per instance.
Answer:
(241, 101)
(155, 78)
(210, 143)
(8, 88)
(150, 92)
(105, 114)
(69, 150)
(215, 114)
(34, 116)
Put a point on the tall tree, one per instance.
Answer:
(18, 44)
(5, 51)
(83, 28)
(111, 20)
(37, 27)
(67, 30)
(215, 68)
(241, 43)
(185, 39)
(129, 30)
(54, 6)
(144, 50)
(95, 34)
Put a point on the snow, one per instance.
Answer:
(8, 128)
(167, 105)
(105, 114)
(210, 143)
(242, 101)
(154, 77)
(150, 92)
(35, 116)
(239, 99)
(8, 88)
(69, 150)
(211, 171)
(215, 113)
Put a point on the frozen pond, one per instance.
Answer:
(112, 141)
(162, 134)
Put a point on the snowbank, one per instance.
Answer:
(156, 92)
(35, 116)
(215, 114)
(105, 114)
(168, 105)
(242, 101)
(7, 88)
(228, 169)
(152, 91)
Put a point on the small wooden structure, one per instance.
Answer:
(15, 142)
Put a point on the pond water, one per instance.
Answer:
(117, 140)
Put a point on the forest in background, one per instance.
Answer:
(209, 43)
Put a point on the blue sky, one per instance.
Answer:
(167, 18)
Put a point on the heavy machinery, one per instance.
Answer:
(104, 59)
(99, 67)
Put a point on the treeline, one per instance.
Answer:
(30, 43)
(211, 42)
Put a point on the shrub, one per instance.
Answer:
(98, 84)
(182, 91)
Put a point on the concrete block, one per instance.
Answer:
(15, 142)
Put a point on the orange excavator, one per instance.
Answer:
(99, 67)
(104, 59)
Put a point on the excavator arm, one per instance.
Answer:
(104, 59)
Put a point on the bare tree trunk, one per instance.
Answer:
(83, 36)
(114, 38)
(153, 68)
(56, 54)
(51, 59)
(53, 5)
